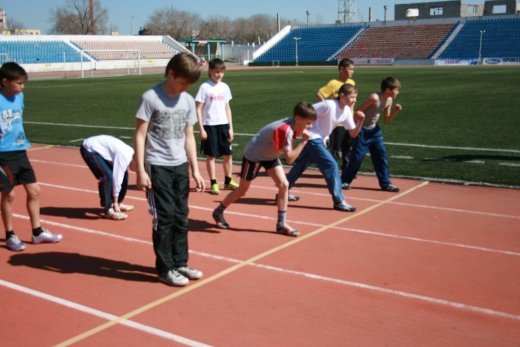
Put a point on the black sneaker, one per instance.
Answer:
(390, 188)
(219, 219)
(345, 185)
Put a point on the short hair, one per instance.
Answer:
(12, 71)
(346, 89)
(217, 63)
(305, 110)
(184, 65)
(345, 62)
(390, 83)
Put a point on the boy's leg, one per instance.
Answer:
(6, 209)
(39, 234)
(181, 189)
(229, 182)
(161, 201)
(278, 175)
(345, 150)
(33, 203)
(103, 172)
(379, 158)
(248, 172)
(329, 169)
(210, 165)
(124, 188)
(301, 164)
(358, 151)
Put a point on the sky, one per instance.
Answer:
(130, 15)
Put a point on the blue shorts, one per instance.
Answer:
(15, 169)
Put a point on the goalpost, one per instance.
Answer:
(108, 59)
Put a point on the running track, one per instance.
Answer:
(434, 265)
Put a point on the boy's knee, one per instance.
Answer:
(8, 196)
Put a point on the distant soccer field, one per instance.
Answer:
(457, 123)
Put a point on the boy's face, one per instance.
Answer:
(177, 85)
(346, 72)
(348, 99)
(13, 87)
(216, 75)
(301, 124)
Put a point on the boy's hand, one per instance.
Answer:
(398, 107)
(359, 116)
(306, 135)
(143, 182)
(231, 135)
(203, 134)
(201, 184)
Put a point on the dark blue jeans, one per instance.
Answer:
(102, 170)
(368, 140)
(316, 152)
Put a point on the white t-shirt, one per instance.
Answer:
(214, 97)
(329, 116)
(115, 151)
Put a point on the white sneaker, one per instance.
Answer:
(46, 237)
(14, 244)
(174, 278)
(192, 274)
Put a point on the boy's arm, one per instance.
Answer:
(143, 180)
(390, 112)
(291, 156)
(359, 118)
(198, 108)
(372, 99)
(229, 115)
(191, 151)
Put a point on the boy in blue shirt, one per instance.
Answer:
(15, 168)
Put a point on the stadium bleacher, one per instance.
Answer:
(500, 39)
(459, 38)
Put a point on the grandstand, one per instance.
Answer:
(398, 42)
(449, 39)
(47, 53)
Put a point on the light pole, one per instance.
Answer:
(131, 24)
(307, 13)
(296, 39)
(480, 47)
(384, 20)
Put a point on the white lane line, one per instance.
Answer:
(100, 314)
(399, 293)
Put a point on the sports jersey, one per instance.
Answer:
(271, 141)
(12, 134)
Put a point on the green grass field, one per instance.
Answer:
(457, 123)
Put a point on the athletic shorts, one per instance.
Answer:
(15, 169)
(250, 169)
(217, 143)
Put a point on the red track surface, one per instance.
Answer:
(434, 265)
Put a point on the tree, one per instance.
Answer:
(177, 24)
(74, 18)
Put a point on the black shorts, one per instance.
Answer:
(15, 169)
(217, 143)
(250, 169)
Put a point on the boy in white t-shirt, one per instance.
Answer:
(215, 123)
